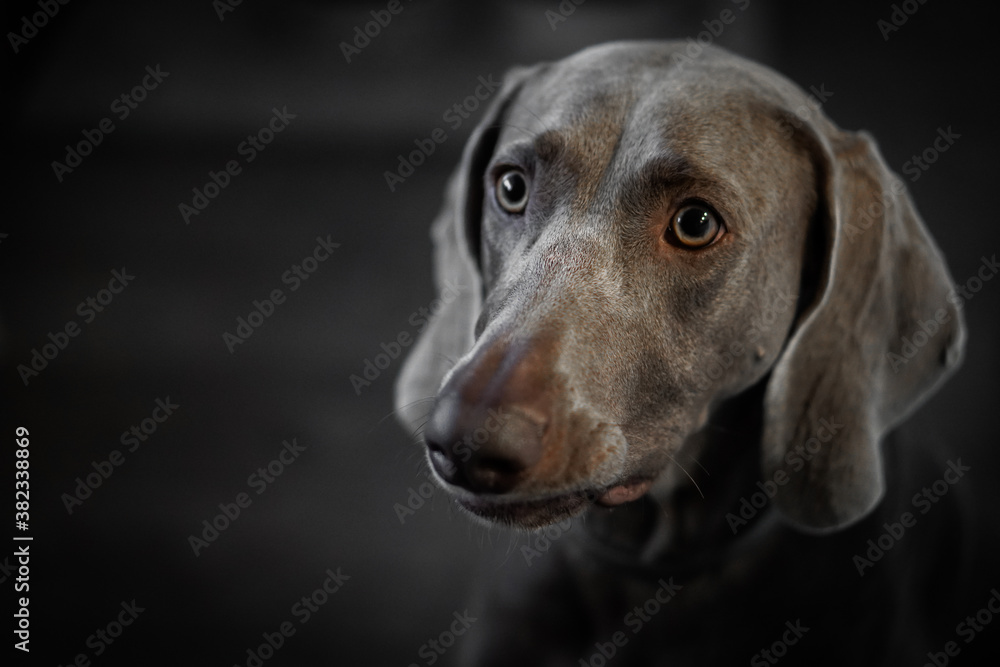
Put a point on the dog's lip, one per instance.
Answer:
(566, 504)
(625, 492)
(528, 512)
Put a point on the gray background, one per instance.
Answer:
(323, 175)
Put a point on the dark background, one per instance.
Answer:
(323, 175)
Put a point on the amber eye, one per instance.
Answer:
(695, 226)
(512, 190)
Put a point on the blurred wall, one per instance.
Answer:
(210, 75)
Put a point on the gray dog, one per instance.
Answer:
(693, 309)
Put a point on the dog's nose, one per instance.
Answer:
(486, 430)
(484, 451)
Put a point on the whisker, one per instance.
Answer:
(420, 426)
(703, 468)
(511, 540)
(678, 463)
(399, 409)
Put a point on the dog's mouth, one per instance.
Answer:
(540, 512)
(625, 492)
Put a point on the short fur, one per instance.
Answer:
(610, 360)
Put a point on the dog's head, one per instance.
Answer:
(634, 237)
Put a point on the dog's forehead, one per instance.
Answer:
(655, 69)
(621, 109)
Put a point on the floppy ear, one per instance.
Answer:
(883, 333)
(455, 235)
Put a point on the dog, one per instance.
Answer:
(695, 311)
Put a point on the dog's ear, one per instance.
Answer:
(455, 234)
(884, 330)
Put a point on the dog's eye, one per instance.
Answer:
(512, 191)
(695, 226)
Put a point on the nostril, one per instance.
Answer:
(501, 466)
(494, 474)
(442, 463)
(483, 450)
(482, 473)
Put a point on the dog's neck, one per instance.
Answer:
(693, 514)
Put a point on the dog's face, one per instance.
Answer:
(621, 230)
(637, 239)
